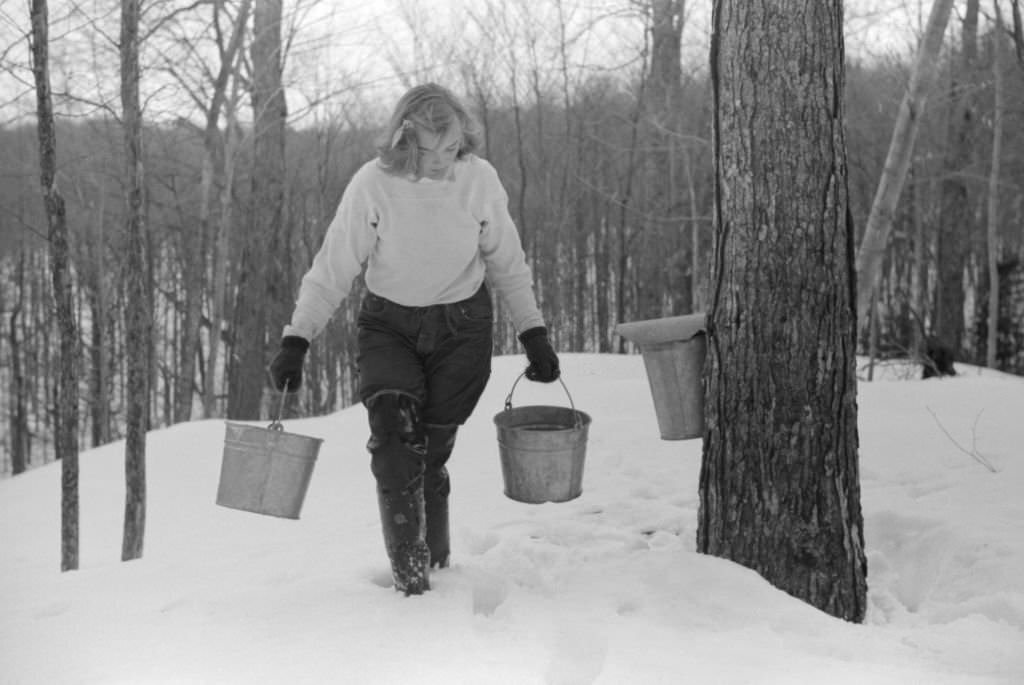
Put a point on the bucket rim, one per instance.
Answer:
(577, 414)
(275, 431)
(581, 417)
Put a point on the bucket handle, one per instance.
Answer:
(575, 414)
(276, 424)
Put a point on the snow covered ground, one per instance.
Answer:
(605, 589)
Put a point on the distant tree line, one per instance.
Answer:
(610, 181)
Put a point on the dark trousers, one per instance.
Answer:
(421, 373)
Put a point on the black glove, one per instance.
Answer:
(286, 369)
(543, 360)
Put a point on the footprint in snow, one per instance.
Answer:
(382, 578)
(489, 593)
(577, 656)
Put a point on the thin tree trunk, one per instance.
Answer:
(101, 330)
(873, 338)
(602, 277)
(897, 162)
(66, 396)
(259, 286)
(697, 292)
(625, 237)
(918, 274)
(212, 168)
(21, 446)
(1018, 30)
(138, 323)
(668, 18)
(182, 378)
(220, 260)
(525, 226)
(957, 222)
(993, 196)
(779, 483)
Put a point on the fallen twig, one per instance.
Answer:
(973, 452)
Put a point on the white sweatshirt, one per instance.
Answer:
(423, 243)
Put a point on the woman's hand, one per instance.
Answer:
(286, 369)
(543, 360)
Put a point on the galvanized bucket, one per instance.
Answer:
(673, 351)
(542, 450)
(266, 470)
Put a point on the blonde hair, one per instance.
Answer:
(429, 107)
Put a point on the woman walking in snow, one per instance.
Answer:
(430, 221)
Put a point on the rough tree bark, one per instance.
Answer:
(66, 434)
(137, 315)
(779, 483)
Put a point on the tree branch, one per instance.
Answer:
(973, 452)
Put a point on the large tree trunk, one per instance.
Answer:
(779, 484)
(137, 315)
(897, 162)
(259, 283)
(66, 434)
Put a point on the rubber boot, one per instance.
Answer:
(403, 520)
(436, 487)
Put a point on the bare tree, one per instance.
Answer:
(261, 283)
(779, 483)
(1018, 29)
(21, 446)
(220, 249)
(897, 162)
(993, 193)
(221, 77)
(66, 440)
(665, 179)
(137, 314)
(957, 222)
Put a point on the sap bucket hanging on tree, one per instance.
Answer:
(542, 450)
(266, 470)
(673, 349)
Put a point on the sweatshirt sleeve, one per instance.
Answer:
(347, 245)
(503, 254)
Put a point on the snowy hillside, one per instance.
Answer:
(605, 589)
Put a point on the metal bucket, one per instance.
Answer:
(266, 470)
(542, 450)
(674, 372)
(673, 351)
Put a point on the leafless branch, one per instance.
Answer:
(973, 452)
(171, 16)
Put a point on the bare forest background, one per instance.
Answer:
(596, 115)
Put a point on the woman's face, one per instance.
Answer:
(437, 152)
